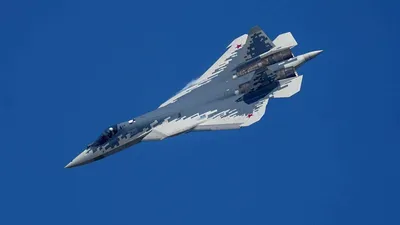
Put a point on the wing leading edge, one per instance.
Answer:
(240, 50)
(228, 59)
(211, 95)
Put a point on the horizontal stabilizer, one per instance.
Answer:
(285, 40)
(289, 87)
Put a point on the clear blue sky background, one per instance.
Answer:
(68, 69)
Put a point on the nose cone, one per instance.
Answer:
(71, 164)
(81, 159)
(312, 55)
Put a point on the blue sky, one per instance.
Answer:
(68, 69)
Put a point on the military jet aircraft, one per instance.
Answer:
(233, 93)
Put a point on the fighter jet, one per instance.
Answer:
(233, 93)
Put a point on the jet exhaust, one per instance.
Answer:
(283, 74)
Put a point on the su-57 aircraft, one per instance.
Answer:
(233, 93)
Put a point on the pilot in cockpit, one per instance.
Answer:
(105, 136)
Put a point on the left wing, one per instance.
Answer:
(240, 50)
(211, 101)
(222, 66)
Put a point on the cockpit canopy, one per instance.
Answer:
(106, 135)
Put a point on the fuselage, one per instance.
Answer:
(123, 135)
(254, 80)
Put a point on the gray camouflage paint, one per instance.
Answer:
(258, 43)
(200, 96)
(217, 97)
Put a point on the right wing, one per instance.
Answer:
(225, 115)
(240, 115)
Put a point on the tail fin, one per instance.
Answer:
(289, 87)
(257, 43)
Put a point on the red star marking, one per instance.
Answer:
(238, 46)
(250, 115)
